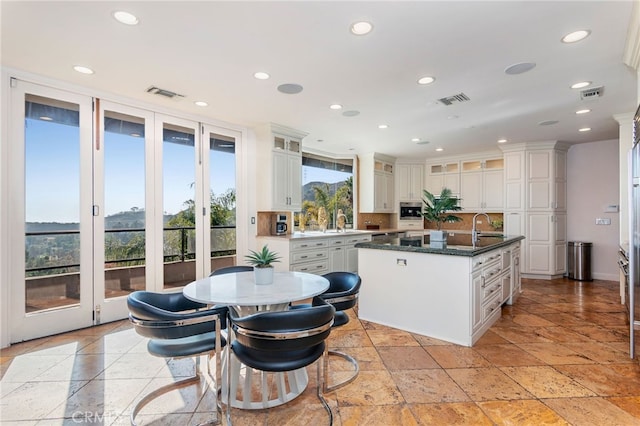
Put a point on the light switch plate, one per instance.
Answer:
(603, 221)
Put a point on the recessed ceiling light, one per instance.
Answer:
(519, 68)
(383, 126)
(576, 36)
(548, 123)
(261, 75)
(502, 141)
(580, 85)
(415, 140)
(426, 80)
(290, 88)
(125, 17)
(335, 106)
(351, 113)
(201, 103)
(439, 149)
(45, 118)
(583, 111)
(361, 28)
(584, 129)
(83, 70)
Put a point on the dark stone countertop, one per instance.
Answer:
(458, 244)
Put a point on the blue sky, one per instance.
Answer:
(52, 173)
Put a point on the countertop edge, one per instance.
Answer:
(446, 251)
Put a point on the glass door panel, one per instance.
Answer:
(222, 189)
(50, 165)
(179, 204)
(124, 204)
(52, 204)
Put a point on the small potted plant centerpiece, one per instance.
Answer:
(261, 261)
(436, 209)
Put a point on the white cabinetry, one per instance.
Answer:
(535, 188)
(280, 165)
(377, 185)
(443, 175)
(317, 255)
(481, 185)
(410, 180)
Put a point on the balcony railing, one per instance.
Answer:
(53, 266)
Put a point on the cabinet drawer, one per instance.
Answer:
(312, 267)
(333, 242)
(491, 288)
(310, 244)
(307, 256)
(491, 306)
(358, 239)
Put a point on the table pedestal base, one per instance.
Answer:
(257, 386)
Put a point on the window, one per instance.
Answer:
(327, 183)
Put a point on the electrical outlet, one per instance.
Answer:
(603, 221)
(253, 220)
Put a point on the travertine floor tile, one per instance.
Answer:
(553, 353)
(36, 400)
(455, 413)
(406, 358)
(392, 338)
(507, 355)
(521, 413)
(546, 382)
(606, 380)
(591, 411)
(490, 338)
(599, 333)
(517, 334)
(486, 384)
(630, 404)
(373, 388)
(376, 415)
(348, 338)
(423, 386)
(456, 356)
(599, 352)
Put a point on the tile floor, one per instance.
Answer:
(557, 357)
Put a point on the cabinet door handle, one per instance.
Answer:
(303, 257)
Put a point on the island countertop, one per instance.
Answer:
(458, 244)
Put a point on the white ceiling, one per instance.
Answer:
(210, 50)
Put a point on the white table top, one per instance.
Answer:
(239, 289)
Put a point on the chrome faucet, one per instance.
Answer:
(338, 221)
(474, 231)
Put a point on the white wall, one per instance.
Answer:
(592, 184)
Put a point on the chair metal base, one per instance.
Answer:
(199, 377)
(351, 360)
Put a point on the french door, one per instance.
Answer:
(50, 211)
(108, 199)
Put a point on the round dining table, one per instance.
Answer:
(239, 291)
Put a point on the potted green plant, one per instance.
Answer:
(261, 261)
(436, 209)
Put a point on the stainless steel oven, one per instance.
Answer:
(410, 210)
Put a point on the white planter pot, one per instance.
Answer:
(263, 276)
(437, 236)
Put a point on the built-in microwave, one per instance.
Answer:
(410, 210)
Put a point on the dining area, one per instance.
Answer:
(256, 340)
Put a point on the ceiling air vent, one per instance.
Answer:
(455, 99)
(162, 92)
(592, 93)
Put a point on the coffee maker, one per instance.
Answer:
(278, 224)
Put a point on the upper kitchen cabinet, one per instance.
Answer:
(444, 174)
(376, 183)
(279, 163)
(482, 185)
(410, 181)
(546, 179)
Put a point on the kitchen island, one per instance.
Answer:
(451, 292)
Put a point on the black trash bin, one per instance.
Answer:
(579, 256)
